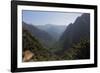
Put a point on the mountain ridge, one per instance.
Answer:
(43, 36)
(75, 32)
(54, 30)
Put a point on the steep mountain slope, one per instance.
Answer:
(73, 44)
(32, 45)
(30, 41)
(75, 41)
(77, 31)
(45, 39)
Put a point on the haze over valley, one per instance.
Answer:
(52, 41)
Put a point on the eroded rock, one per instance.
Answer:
(27, 55)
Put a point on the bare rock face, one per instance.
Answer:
(27, 56)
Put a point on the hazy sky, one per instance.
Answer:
(42, 17)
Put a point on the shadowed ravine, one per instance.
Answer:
(39, 43)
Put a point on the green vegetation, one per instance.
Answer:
(72, 45)
(32, 44)
(80, 50)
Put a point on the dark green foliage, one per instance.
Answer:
(73, 44)
(29, 41)
(80, 50)
(32, 44)
(43, 37)
(80, 29)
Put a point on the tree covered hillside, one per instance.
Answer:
(73, 44)
(76, 39)
(33, 45)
